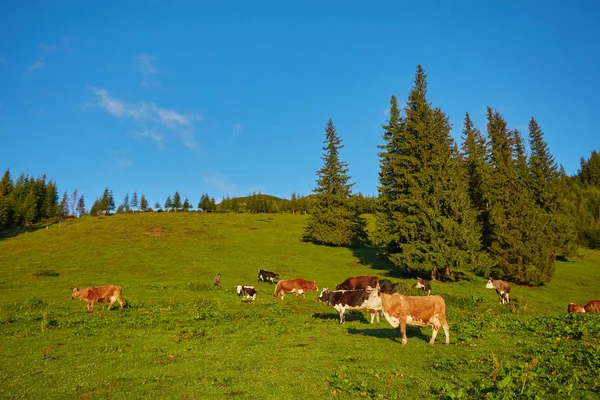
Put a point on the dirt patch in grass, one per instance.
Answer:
(156, 231)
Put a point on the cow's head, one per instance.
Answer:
(420, 284)
(576, 308)
(312, 285)
(239, 289)
(490, 284)
(76, 294)
(324, 296)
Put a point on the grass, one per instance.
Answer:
(180, 337)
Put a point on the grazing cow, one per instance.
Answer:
(358, 282)
(343, 300)
(107, 294)
(386, 286)
(247, 292)
(217, 280)
(264, 275)
(575, 308)
(423, 284)
(502, 288)
(593, 306)
(296, 285)
(418, 311)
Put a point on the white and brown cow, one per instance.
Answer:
(502, 289)
(358, 282)
(418, 311)
(346, 300)
(107, 294)
(296, 285)
(246, 292)
(593, 306)
(575, 308)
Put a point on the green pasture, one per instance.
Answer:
(180, 337)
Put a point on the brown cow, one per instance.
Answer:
(358, 282)
(296, 285)
(107, 294)
(575, 308)
(593, 306)
(502, 289)
(419, 311)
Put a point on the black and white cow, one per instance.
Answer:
(264, 275)
(425, 285)
(343, 300)
(386, 286)
(246, 292)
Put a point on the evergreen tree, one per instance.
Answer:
(143, 203)
(176, 201)
(81, 206)
(186, 205)
(157, 206)
(425, 219)
(125, 204)
(63, 208)
(134, 201)
(589, 174)
(334, 221)
(168, 203)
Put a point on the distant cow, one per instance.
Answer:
(343, 300)
(386, 286)
(418, 311)
(423, 284)
(107, 294)
(296, 285)
(575, 308)
(593, 306)
(502, 289)
(358, 282)
(264, 275)
(247, 292)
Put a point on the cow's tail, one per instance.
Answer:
(276, 292)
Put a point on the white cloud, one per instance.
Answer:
(237, 129)
(220, 182)
(39, 64)
(149, 115)
(145, 63)
(123, 162)
(152, 134)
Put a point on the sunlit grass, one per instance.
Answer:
(180, 337)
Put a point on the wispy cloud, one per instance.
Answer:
(220, 182)
(146, 65)
(44, 50)
(123, 162)
(149, 116)
(39, 64)
(152, 134)
(237, 129)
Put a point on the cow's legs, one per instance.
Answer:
(403, 331)
(342, 317)
(446, 332)
(434, 327)
(90, 306)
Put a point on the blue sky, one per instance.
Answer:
(233, 97)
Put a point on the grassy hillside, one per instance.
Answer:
(179, 337)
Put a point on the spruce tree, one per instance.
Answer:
(334, 221)
(177, 201)
(126, 202)
(425, 219)
(168, 203)
(81, 206)
(134, 201)
(143, 203)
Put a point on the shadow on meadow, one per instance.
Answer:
(391, 333)
(350, 316)
(10, 233)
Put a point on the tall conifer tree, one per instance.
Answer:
(334, 221)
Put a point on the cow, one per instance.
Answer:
(423, 284)
(400, 310)
(296, 285)
(217, 280)
(358, 282)
(386, 286)
(593, 306)
(575, 308)
(247, 292)
(107, 294)
(343, 300)
(502, 288)
(264, 275)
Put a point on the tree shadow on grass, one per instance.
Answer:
(14, 232)
(391, 333)
(367, 255)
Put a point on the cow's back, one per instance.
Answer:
(420, 308)
(593, 306)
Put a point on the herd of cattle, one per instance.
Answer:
(377, 296)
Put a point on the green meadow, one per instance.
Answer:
(180, 337)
